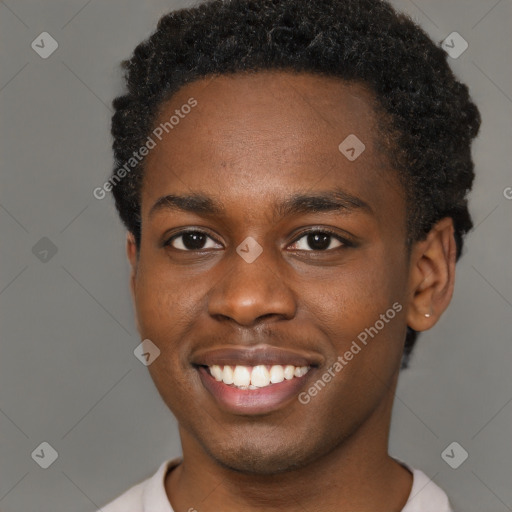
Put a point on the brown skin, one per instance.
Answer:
(251, 142)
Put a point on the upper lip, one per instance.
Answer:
(254, 356)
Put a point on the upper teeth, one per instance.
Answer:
(252, 377)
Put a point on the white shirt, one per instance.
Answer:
(150, 495)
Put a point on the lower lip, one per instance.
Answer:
(252, 401)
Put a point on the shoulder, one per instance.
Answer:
(131, 498)
(136, 498)
(426, 496)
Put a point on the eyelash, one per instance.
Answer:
(324, 231)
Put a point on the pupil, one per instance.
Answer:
(318, 241)
(194, 240)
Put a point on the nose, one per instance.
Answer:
(249, 293)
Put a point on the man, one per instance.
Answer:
(293, 179)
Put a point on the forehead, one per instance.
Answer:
(255, 136)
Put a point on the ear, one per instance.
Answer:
(131, 252)
(431, 276)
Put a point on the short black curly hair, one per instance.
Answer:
(427, 118)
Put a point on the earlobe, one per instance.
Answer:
(432, 276)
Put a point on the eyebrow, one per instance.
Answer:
(336, 200)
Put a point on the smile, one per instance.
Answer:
(256, 377)
(240, 397)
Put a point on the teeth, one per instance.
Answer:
(289, 372)
(254, 377)
(260, 376)
(216, 372)
(227, 375)
(241, 376)
(300, 371)
(276, 374)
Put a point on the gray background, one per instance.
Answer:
(68, 375)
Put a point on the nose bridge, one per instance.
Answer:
(251, 287)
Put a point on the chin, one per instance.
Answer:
(260, 457)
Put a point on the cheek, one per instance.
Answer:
(378, 302)
(163, 308)
(163, 313)
(362, 315)
(163, 294)
(364, 301)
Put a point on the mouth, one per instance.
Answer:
(257, 390)
(254, 380)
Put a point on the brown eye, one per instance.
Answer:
(192, 241)
(319, 240)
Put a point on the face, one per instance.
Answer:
(285, 254)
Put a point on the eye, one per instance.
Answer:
(319, 240)
(193, 240)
